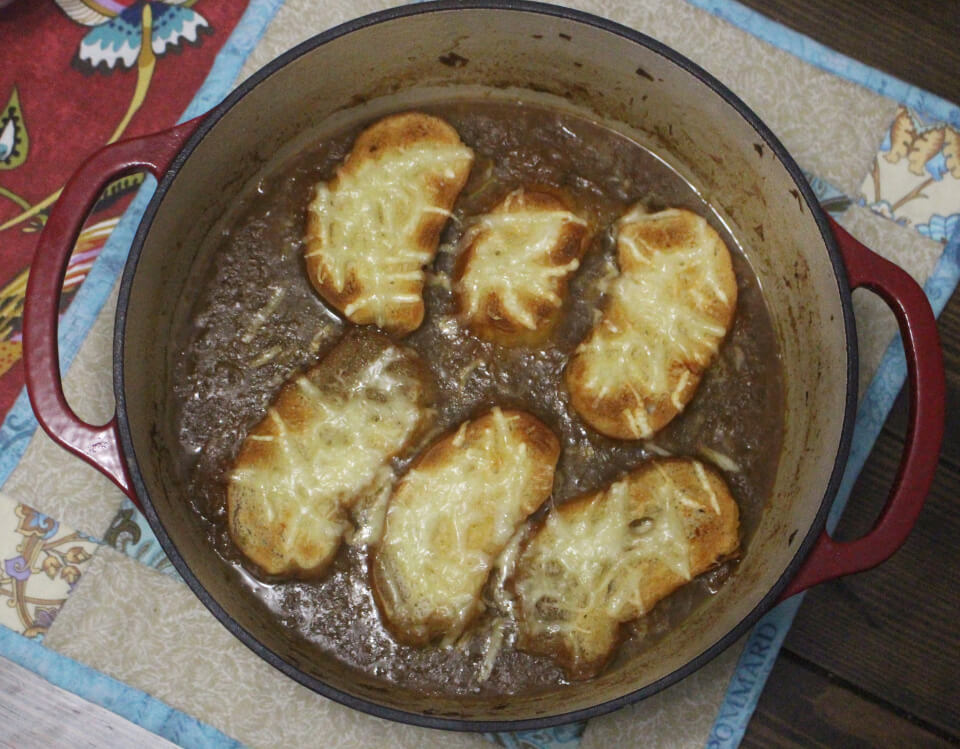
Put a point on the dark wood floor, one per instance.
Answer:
(874, 660)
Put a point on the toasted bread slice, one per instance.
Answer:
(608, 557)
(322, 444)
(511, 277)
(372, 228)
(667, 313)
(451, 515)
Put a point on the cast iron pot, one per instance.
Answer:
(807, 267)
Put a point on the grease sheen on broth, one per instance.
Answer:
(257, 320)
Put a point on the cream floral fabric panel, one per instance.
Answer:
(42, 562)
(915, 177)
(151, 632)
(47, 477)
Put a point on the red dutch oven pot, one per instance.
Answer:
(807, 266)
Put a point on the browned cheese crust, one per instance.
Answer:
(324, 443)
(374, 226)
(450, 517)
(607, 558)
(666, 315)
(511, 277)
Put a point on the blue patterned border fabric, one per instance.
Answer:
(136, 706)
(830, 60)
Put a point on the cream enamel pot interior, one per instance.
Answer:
(544, 53)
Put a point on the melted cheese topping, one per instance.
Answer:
(287, 504)
(719, 459)
(450, 519)
(502, 603)
(587, 570)
(491, 651)
(370, 512)
(511, 261)
(263, 314)
(656, 319)
(368, 225)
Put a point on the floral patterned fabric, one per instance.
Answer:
(109, 70)
(42, 562)
(915, 178)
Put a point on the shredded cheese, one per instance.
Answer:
(511, 261)
(263, 314)
(287, 499)
(367, 227)
(658, 324)
(719, 459)
(452, 515)
(586, 571)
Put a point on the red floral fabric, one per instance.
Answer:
(74, 76)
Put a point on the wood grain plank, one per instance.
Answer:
(35, 714)
(803, 707)
(892, 631)
(915, 41)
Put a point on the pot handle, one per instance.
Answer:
(98, 445)
(830, 559)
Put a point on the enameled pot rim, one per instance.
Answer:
(429, 721)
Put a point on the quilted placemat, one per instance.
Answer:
(96, 607)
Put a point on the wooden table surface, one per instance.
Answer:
(874, 659)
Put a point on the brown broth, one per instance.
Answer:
(257, 320)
